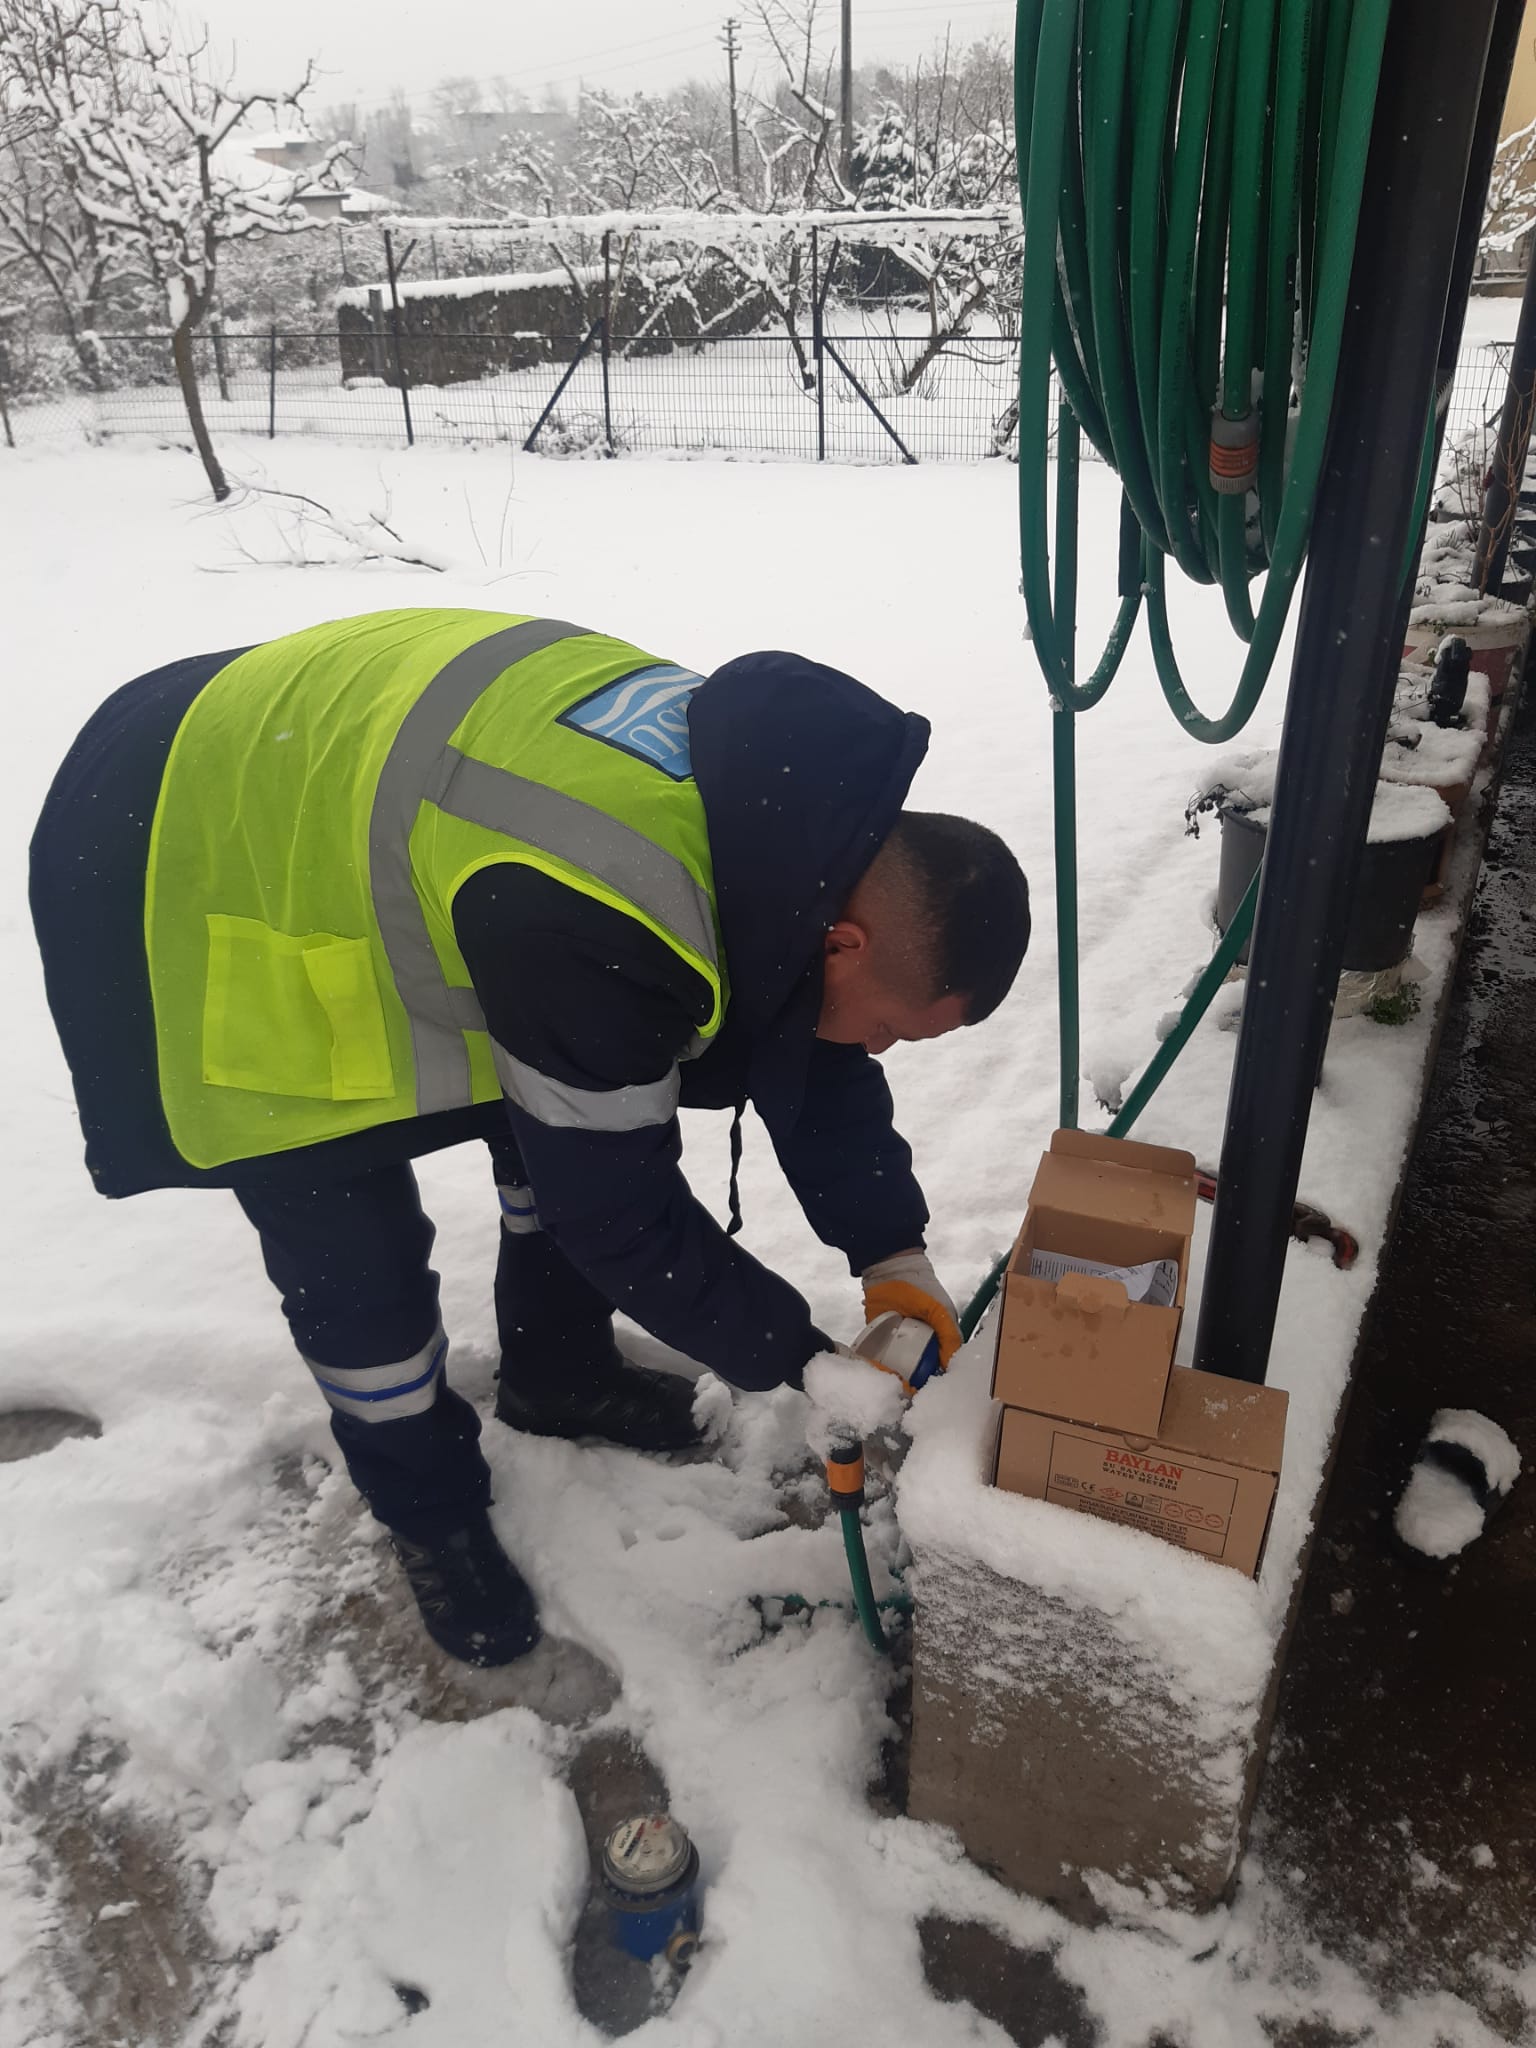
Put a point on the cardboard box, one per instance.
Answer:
(1079, 1348)
(1204, 1480)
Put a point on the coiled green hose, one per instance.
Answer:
(1190, 175)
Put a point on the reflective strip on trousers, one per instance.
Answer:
(519, 1217)
(586, 1109)
(422, 766)
(385, 1393)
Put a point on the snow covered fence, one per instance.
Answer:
(740, 395)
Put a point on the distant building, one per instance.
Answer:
(275, 161)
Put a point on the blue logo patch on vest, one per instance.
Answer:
(644, 714)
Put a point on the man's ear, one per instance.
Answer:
(845, 937)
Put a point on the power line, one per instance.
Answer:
(567, 67)
(571, 70)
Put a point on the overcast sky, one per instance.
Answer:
(365, 48)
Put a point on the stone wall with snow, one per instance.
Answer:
(456, 329)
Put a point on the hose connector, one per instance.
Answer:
(1234, 453)
(845, 1474)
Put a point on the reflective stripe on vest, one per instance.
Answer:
(423, 767)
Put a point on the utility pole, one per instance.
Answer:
(845, 162)
(730, 37)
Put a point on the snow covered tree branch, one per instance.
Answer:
(138, 123)
(1510, 214)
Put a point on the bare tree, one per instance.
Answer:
(795, 131)
(46, 236)
(1510, 213)
(139, 122)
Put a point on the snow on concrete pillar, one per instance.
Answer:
(1090, 1704)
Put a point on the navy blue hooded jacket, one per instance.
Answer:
(802, 772)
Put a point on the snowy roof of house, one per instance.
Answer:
(236, 158)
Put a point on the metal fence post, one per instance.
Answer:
(272, 384)
(5, 411)
(220, 355)
(607, 338)
(394, 325)
(821, 378)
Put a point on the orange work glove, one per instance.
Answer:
(908, 1284)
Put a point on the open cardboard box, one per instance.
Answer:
(1079, 1348)
(1205, 1480)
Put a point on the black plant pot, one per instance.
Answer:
(1387, 895)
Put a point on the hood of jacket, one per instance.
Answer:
(802, 772)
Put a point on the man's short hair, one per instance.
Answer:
(969, 904)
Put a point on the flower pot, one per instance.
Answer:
(1387, 896)
(1495, 631)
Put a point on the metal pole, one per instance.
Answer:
(607, 338)
(394, 328)
(272, 384)
(1503, 45)
(5, 411)
(816, 352)
(1502, 498)
(906, 453)
(732, 31)
(1064, 768)
(1345, 664)
(555, 396)
(845, 97)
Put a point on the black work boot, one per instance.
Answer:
(620, 1403)
(474, 1604)
(561, 1372)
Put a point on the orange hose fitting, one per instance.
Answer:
(845, 1470)
(1234, 454)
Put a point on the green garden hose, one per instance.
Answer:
(1220, 965)
(1190, 175)
(858, 1575)
(845, 1481)
(1187, 251)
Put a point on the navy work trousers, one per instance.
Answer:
(350, 1258)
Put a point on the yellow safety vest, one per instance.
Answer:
(326, 796)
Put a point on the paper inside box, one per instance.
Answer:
(1079, 1346)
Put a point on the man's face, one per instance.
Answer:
(857, 1008)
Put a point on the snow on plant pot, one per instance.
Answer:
(1494, 629)
(1406, 823)
(1411, 704)
(1447, 556)
(1422, 755)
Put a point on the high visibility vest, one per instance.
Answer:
(326, 796)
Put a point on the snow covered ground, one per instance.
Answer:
(225, 1749)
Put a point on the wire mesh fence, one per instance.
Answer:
(862, 392)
